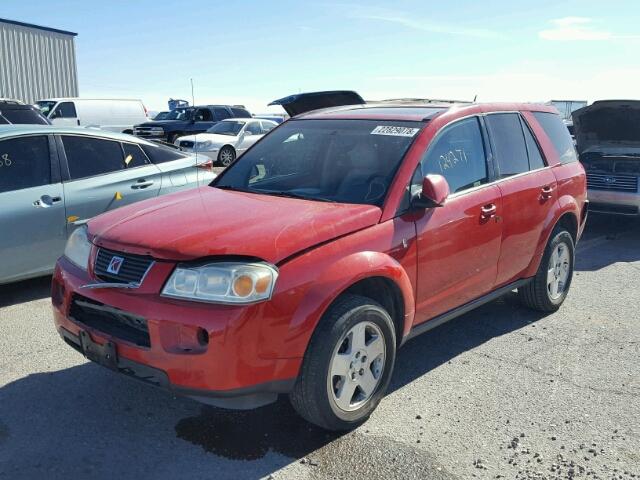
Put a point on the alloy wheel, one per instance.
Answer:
(558, 271)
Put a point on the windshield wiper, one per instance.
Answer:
(288, 193)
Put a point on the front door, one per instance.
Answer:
(458, 243)
(32, 217)
(103, 175)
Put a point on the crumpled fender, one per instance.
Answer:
(323, 288)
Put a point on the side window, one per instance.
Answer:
(65, 110)
(159, 154)
(221, 113)
(535, 157)
(240, 113)
(559, 135)
(88, 156)
(267, 126)
(203, 115)
(254, 128)
(508, 140)
(133, 156)
(24, 163)
(458, 155)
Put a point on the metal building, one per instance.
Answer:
(36, 62)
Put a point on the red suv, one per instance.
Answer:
(338, 236)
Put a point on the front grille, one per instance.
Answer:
(112, 321)
(133, 268)
(612, 182)
(147, 132)
(186, 144)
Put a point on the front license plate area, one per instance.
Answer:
(104, 354)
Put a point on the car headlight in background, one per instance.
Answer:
(204, 145)
(78, 247)
(224, 282)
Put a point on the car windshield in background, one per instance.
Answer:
(227, 128)
(162, 116)
(179, 114)
(46, 106)
(24, 116)
(346, 161)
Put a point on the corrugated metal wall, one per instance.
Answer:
(36, 64)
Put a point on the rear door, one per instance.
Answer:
(102, 174)
(32, 214)
(528, 189)
(458, 243)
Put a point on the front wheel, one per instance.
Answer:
(348, 364)
(548, 289)
(226, 156)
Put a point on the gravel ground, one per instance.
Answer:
(502, 392)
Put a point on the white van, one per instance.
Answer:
(115, 115)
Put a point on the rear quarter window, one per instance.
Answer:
(240, 113)
(159, 154)
(557, 132)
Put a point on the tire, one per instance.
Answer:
(539, 293)
(331, 400)
(226, 156)
(173, 137)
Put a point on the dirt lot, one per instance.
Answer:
(502, 392)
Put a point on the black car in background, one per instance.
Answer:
(15, 112)
(188, 121)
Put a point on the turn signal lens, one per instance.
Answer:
(243, 286)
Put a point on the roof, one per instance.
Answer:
(416, 113)
(12, 130)
(38, 27)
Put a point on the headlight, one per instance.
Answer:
(204, 145)
(236, 283)
(78, 247)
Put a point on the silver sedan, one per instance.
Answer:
(54, 179)
(226, 140)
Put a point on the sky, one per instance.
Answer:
(251, 52)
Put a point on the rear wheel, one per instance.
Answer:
(226, 156)
(347, 366)
(548, 289)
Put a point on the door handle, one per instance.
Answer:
(488, 210)
(547, 192)
(46, 201)
(142, 184)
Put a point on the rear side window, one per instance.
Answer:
(88, 156)
(24, 163)
(221, 113)
(158, 154)
(458, 155)
(559, 136)
(535, 157)
(133, 155)
(23, 116)
(240, 113)
(508, 141)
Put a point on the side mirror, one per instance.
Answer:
(435, 191)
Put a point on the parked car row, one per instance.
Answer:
(309, 261)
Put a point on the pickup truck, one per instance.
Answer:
(188, 121)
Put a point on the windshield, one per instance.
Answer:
(31, 116)
(162, 116)
(45, 106)
(227, 128)
(179, 114)
(346, 161)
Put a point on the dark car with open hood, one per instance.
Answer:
(346, 231)
(608, 141)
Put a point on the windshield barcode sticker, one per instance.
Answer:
(394, 131)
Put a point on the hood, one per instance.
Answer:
(609, 122)
(162, 123)
(305, 102)
(209, 221)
